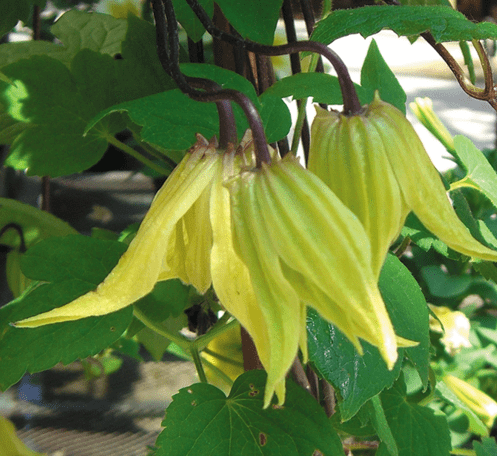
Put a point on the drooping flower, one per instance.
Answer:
(479, 402)
(271, 241)
(455, 328)
(303, 247)
(376, 164)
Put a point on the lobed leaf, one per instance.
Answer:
(71, 265)
(202, 420)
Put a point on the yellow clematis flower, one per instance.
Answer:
(377, 165)
(271, 241)
(304, 247)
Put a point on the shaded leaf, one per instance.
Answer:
(253, 19)
(12, 11)
(201, 420)
(444, 23)
(73, 265)
(417, 430)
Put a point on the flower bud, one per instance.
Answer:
(376, 164)
(481, 404)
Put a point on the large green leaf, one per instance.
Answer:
(72, 266)
(171, 119)
(444, 23)
(358, 378)
(35, 223)
(76, 30)
(417, 430)
(253, 19)
(201, 420)
(376, 75)
(55, 107)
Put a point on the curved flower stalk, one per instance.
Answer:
(303, 247)
(378, 167)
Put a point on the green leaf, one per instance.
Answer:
(417, 430)
(443, 285)
(480, 174)
(76, 30)
(201, 420)
(73, 265)
(12, 11)
(359, 378)
(487, 447)
(172, 119)
(188, 19)
(444, 23)
(322, 87)
(275, 116)
(379, 421)
(169, 298)
(35, 223)
(140, 71)
(408, 311)
(377, 75)
(253, 19)
(476, 425)
(54, 106)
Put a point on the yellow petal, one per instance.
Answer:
(324, 251)
(420, 182)
(138, 269)
(349, 155)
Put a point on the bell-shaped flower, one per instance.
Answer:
(376, 164)
(271, 241)
(304, 247)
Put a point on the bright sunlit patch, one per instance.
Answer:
(15, 95)
(120, 8)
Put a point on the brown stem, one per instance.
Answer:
(169, 61)
(351, 104)
(328, 398)
(299, 376)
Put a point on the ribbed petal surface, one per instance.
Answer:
(138, 269)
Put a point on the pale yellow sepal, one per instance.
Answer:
(303, 246)
(376, 164)
(145, 262)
